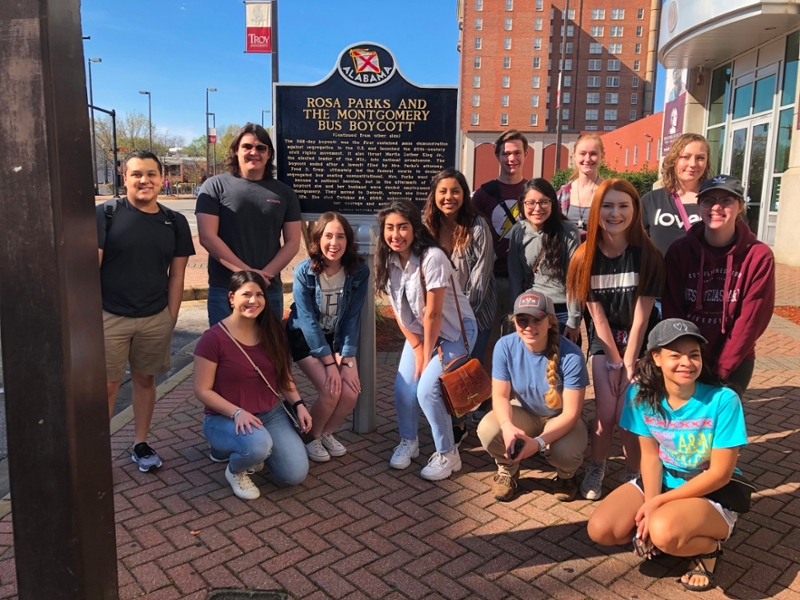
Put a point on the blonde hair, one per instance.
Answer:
(552, 397)
(582, 138)
(668, 178)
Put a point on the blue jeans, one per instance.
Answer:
(410, 395)
(277, 444)
(219, 306)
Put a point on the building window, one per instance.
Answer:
(478, 43)
(565, 97)
(534, 120)
(640, 15)
(539, 5)
(551, 31)
(638, 31)
(509, 5)
(537, 43)
(478, 24)
(649, 145)
(615, 48)
(504, 100)
(552, 13)
(614, 65)
(593, 98)
(610, 114)
(591, 128)
(634, 98)
(627, 153)
(565, 113)
(477, 62)
(570, 47)
(550, 48)
(537, 24)
(478, 5)
(635, 82)
(547, 114)
(633, 118)
(637, 49)
(504, 119)
(567, 80)
(550, 65)
(593, 81)
(617, 14)
(535, 101)
(591, 114)
(507, 81)
(507, 44)
(507, 25)
(636, 65)
(612, 98)
(571, 15)
(636, 154)
(567, 64)
(476, 81)
(595, 48)
(570, 30)
(475, 119)
(596, 31)
(535, 83)
(537, 63)
(549, 81)
(506, 62)
(547, 97)
(612, 81)
(616, 31)
(476, 100)
(598, 14)
(595, 64)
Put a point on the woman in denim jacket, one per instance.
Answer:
(329, 290)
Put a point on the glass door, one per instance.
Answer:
(750, 147)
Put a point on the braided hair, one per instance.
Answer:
(552, 397)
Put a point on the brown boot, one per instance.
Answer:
(504, 485)
(565, 490)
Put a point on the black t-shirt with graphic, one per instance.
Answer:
(498, 220)
(661, 218)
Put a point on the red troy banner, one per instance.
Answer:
(258, 27)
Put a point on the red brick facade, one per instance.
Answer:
(638, 144)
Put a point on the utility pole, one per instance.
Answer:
(207, 156)
(562, 52)
(94, 135)
(149, 117)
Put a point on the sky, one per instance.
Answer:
(175, 49)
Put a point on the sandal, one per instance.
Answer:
(702, 570)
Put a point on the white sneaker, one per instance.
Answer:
(316, 451)
(243, 487)
(441, 465)
(258, 468)
(408, 449)
(592, 484)
(332, 445)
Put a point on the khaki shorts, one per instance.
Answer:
(142, 342)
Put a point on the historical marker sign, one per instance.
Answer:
(363, 136)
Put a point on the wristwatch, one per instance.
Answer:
(350, 363)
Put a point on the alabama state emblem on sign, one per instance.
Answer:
(366, 64)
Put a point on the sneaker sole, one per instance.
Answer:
(404, 465)
(319, 459)
(212, 458)
(443, 475)
(590, 495)
(146, 469)
(255, 496)
(336, 453)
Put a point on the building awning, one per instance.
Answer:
(704, 33)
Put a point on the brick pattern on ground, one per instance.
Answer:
(358, 529)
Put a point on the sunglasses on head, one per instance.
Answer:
(262, 148)
(524, 321)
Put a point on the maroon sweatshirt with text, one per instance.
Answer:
(729, 293)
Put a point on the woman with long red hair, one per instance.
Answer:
(617, 273)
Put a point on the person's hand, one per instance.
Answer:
(615, 377)
(304, 418)
(510, 433)
(529, 447)
(642, 517)
(419, 356)
(333, 380)
(268, 277)
(245, 422)
(350, 376)
(572, 334)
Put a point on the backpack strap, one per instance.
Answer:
(111, 208)
(172, 217)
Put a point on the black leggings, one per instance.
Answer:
(739, 379)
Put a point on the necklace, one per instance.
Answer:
(583, 209)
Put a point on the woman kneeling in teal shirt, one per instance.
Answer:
(690, 430)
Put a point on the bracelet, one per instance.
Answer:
(417, 346)
(235, 414)
(614, 366)
(504, 422)
(541, 442)
(333, 364)
(296, 404)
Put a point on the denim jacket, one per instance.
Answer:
(305, 312)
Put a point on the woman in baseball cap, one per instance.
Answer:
(690, 429)
(723, 279)
(548, 374)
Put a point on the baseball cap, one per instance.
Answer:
(535, 304)
(669, 330)
(722, 182)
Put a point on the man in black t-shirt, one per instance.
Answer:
(144, 249)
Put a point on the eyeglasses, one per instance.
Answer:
(534, 203)
(247, 147)
(723, 201)
(525, 321)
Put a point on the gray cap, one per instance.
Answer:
(670, 330)
(535, 304)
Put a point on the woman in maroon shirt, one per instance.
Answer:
(245, 422)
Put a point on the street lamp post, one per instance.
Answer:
(149, 117)
(207, 157)
(263, 112)
(214, 127)
(94, 135)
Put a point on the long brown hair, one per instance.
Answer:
(350, 258)
(231, 158)
(465, 218)
(271, 332)
(651, 269)
(668, 178)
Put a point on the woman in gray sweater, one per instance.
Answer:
(540, 249)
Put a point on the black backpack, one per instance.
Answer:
(113, 206)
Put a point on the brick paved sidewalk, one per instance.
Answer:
(358, 529)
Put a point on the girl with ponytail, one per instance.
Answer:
(548, 376)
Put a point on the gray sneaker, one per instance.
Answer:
(592, 484)
(145, 457)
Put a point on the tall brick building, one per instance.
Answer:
(510, 53)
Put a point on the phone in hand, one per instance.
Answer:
(516, 449)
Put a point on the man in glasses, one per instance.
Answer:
(241, 215)
(144, 248)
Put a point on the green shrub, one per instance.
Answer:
(642, 179)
